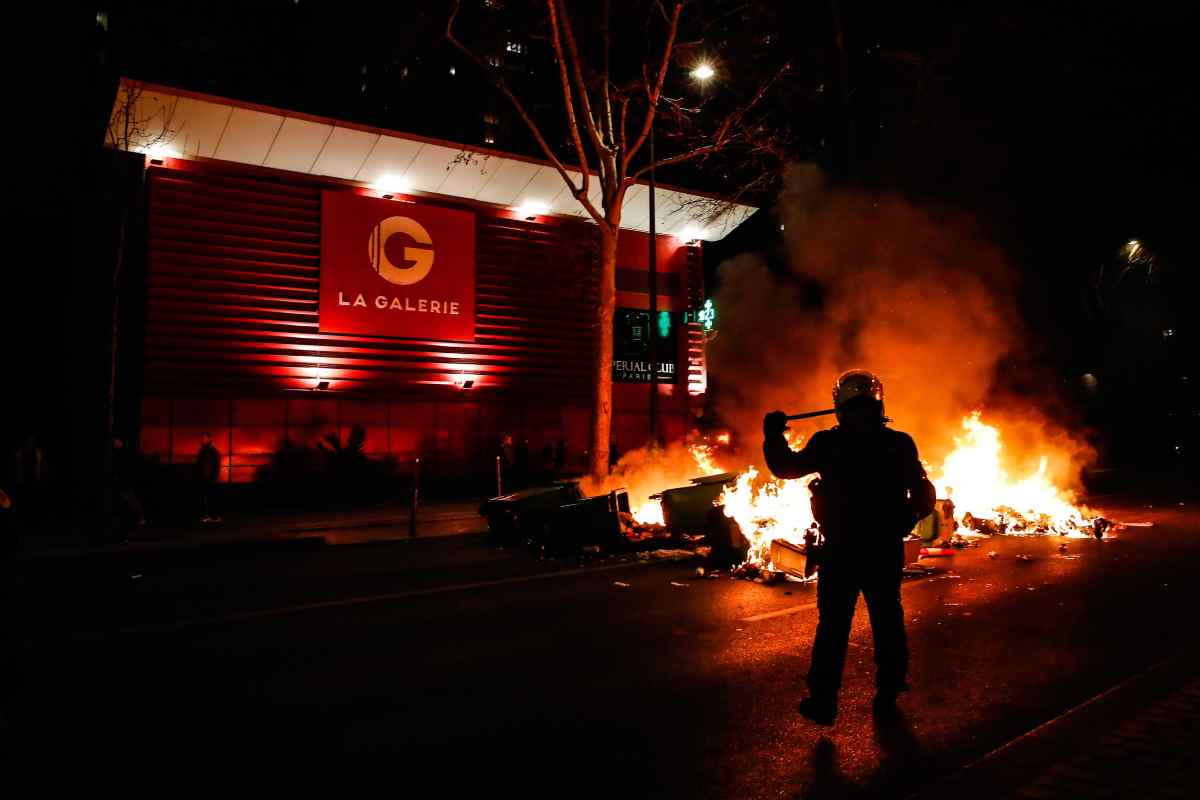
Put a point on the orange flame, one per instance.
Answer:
(973, 476)
(767, 508)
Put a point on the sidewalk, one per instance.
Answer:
(356, 526)
(1138, 739)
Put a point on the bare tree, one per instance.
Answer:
(610, 107)
(132, 126)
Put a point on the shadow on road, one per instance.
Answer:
(827, 778)
(900, 756)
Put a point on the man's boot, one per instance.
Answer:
(820, 710)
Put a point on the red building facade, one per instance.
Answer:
(235, 343)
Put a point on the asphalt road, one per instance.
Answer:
(472, 670)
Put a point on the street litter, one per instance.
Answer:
(1136, 524)
(699, 572)
(621, 584)
(1062, 548)
(677, 583)
(1024, 557)
(936, 552)
(993, 554)
(916, 570)
(647, 555)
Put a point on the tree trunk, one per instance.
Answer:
(602, 383)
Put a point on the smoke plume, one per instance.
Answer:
(869, 280)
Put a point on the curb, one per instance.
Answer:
(315, 538)
(1000, 773)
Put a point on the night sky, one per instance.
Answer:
(1066, 128)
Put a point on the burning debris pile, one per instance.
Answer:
(771, 522)
(988, 501)
(685, 500)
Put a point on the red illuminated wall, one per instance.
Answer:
(232, 345)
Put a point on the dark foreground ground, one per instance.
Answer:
(480, 671)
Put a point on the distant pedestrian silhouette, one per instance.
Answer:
(128, 511)
(208, 472)
(871, 493)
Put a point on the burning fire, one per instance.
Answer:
(985, 496)
(974, 477)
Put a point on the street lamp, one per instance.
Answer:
(702, 73)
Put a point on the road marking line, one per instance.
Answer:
(807, 606)
(379, 598)
(780, 613)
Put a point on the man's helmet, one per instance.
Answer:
(857, 383)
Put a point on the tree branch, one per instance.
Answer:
(580, 193)
(607, 85)
(652, 94)
(730, 131)
(676, 159)
(589, 119)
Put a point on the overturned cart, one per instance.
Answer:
(558, 519)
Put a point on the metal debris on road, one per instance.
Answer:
(677, 583)
(648, 555)
(621, 584)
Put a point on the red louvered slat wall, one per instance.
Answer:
(232, 345)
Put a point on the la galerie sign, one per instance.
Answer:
(396, 269)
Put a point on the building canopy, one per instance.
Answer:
(174, 123)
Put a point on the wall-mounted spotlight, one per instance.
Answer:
(531, 209)
(391, 185)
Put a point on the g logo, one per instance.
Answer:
(421, 257)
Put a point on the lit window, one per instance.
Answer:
(452, 71)
(489, 138)
(494, 60)
(102, 19)
(515, 47)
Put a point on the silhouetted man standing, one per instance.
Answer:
(208, 471)
(871, 492)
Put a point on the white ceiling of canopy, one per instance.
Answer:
(177, 124)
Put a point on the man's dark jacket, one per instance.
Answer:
(872, 491)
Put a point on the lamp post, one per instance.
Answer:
(701, 73)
